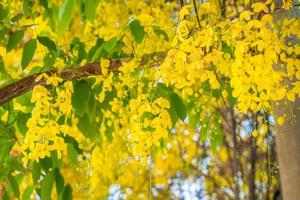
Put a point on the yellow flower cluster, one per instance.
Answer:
(249, 51)
(248, 57)
(112, 161)
(142, 121)
(44, 133)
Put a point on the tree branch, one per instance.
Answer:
(180, 3)
(22, 86)
(235, 155)
(196, 12)
(253, 155)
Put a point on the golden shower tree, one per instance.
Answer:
(149, 99)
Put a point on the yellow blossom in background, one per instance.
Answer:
(183, 96)
(281, 120)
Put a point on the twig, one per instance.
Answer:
(235, 161)
(253, 153)
(180, 2)
(196, 12)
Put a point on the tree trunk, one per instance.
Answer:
(288, 150)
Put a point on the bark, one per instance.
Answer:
(235, 156)
(288, 136)
(181, 4)
(288, 150)
(22, 86)
(252, 186)
(270, 156)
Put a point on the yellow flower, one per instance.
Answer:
(280, 120)
(41, 76)
(54, 80)
(291, 96)
(255, 133)
(246, 15)
(4, 117)
(104, 64)
(183, 29)
(40, 93)
(287, 4)
(258, 7)
(184, 11)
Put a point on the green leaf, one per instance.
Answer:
(5, 149)
(90, 9)
(147, 115)
(163, 90)
(98, 54)
(53, 17)
(137, 31)
(217, 135)
(227, 49)
(174, 116)
(36, 172)
(91, 107)
(117, 50)
(110, 44)
(3, 32)
(93, 50)
(47, 42)
(46, 163)
(27, 6)
(64, 15)
(2, 67)
(56, 162)
(194, 117)
(71, 140)
(44, 3)
(80, 97)
(159, 32)
(5, 196)
(3, 12)
(59, 182)
(81, 53)
(4, 172)
(7, 106)
(72, 154)
(47, 186)
(25, 100)
(28, 53)
(204, 130)
(14, 184)
(231, 100)
(178, 105)
(16, 17)
(15, 164)
(14, 39)
(27, 192)
(21, 122)
(67, 194)
(49, 60)
(88, 129)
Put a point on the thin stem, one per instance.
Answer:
(180, 2)
(196, 12)
(235, 159)
(253, 153)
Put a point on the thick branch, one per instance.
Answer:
(22, 86)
